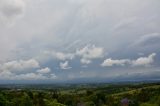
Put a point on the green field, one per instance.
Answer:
(137, 94)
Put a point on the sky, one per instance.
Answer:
(48, 41)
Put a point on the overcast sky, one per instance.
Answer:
(79, 40)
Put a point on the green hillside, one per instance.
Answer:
(93, 95)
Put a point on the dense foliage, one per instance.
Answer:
(83, 95)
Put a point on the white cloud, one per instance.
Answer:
(141, 61)
(144, 61)
(110, 62)
(44, 70)
(85, 61)
(19, 65)
(63, 56)
(53, 76)
(89, 52)
(8, 71)
(65, 65)
(6, 75)
(30, 76)
(60, 55)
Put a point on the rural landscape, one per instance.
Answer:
(123, 94)
(79, 52)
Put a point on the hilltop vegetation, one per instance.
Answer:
(82, 95)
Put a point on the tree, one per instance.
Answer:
(2, 100)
